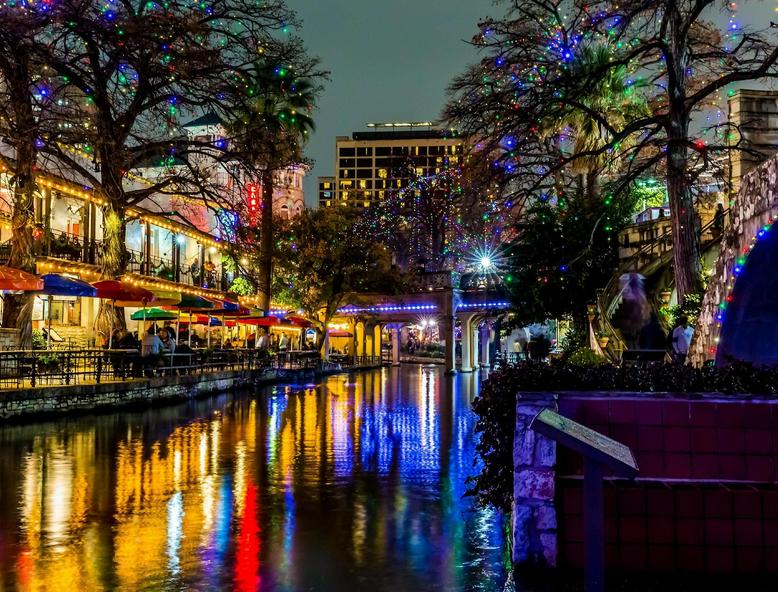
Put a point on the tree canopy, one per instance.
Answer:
(542, 78)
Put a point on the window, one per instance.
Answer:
(364, 152)
(382, 173)
(346, 152)
(346, 174)
(347, 162)
(364, 173)
(383, 151)
(365, 162)
(346, 184)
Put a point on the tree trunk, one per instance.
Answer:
(109, 317)
(686, 247)
(17, 308)
(266, 241)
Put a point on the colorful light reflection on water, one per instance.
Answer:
(356, 483)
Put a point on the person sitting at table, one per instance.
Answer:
(168, 341)
(227, 344)
(125, 340)
(196, 339)
(151, 350)
(283, 343)
(264, 341)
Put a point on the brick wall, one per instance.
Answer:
(707, 496)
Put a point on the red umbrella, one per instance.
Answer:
(260, 321)
(123, 294)
(299, 321)
(340, 334)
(16, 280)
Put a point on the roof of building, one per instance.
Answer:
(204, 120)
(428, 134)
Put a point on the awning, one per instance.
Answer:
(55, 284)
(123, 294)
(16, 280)
(153, 314)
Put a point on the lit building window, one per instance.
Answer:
(382, 173)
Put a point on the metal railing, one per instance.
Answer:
(39, 368)
(608, 297)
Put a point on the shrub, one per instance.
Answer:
(585, 357)
(496, 404)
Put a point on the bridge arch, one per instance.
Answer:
(752, 215)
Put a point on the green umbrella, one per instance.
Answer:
(190, 301)
(153, 314)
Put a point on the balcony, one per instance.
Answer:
(66, 247)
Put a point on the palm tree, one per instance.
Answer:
(615, 97)
(271, 129)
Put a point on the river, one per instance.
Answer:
(356, 483)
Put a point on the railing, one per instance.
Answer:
(608, 297)
(61, 245)
(32, 368)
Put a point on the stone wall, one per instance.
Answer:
(754, 207)
(9, 338)
(62, 399)
(534, 456)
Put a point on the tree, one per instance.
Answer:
(133, 75)
(24, 92)
(527, 79)
(561, 255)
(271, 129)
(324, 255)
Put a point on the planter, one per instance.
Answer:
(664, 296)
(603, 341)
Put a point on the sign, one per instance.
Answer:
(599, 452)
(590, 444)
(253, 203)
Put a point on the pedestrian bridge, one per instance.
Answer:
(469, 313)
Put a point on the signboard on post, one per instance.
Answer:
(600, 454)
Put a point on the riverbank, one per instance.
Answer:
(32, 403)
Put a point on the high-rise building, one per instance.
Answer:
(371, 164)
(326, 191)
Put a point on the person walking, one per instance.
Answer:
(682, 338)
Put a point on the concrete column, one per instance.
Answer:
(449, 327)
(467, 334)
(376, 334)
(474, 342)
(396, 346)
(485, 344)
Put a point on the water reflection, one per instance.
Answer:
(351, 484)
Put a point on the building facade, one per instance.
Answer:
(371, 165)
(173, 243)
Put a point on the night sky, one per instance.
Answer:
(391, 60)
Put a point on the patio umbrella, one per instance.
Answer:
(299, 321)
(55, 284)
(340, 334)
(122, 294)
(16, 280)
(153, 314)
(192, 302)
(166, 297)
